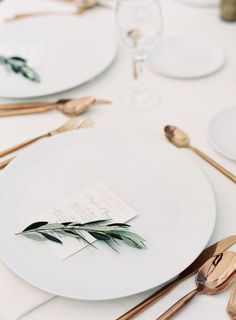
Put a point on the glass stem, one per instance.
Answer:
(137, 69)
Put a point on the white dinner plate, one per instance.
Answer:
(222, 132)
(186, 58)
(201, 3)
(70, 51)
(173, 198)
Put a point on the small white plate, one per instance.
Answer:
(186, 58)
(74, 51)
(152, 176)
(201, 3)
(222, 132)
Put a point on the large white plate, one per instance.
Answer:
(74, 51)
(186, 58)
(222, 132)
(174, 200)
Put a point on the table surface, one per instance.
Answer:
(189, 104)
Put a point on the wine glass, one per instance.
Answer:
(139, 24)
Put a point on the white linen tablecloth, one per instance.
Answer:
(188, 104)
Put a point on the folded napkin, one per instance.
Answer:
(16, 296)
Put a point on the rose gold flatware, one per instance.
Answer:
(231, 307)
(70, 107)
(134, 35)
(181, 140)
(215, 275)
(70, 125)
(81, 8)
(4, 163)
(214, 249)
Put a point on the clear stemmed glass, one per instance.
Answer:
(140, 27)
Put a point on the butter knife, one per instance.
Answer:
(231, 307)
(214, 249)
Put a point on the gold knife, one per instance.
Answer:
(231, 307)
(214, 249)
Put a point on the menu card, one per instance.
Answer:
(96, 202)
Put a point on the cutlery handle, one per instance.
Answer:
(19, 112)
(14, 106)
(19, 146)
(231, 307)
(169, 314)
(36, 14)
(4, 163)
(151, 299)
(214, 164)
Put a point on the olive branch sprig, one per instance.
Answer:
(19, 65)
(110, 233)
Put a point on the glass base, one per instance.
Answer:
(141, 97)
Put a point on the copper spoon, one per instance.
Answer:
(215, 275)
(231, 307)
(181, 140)
(70, 107)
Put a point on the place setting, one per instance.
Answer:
(109, 209)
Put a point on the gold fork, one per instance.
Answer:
(84, 6)
(87, 123)
(69, 125)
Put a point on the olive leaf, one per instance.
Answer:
(99, 230)
(35, 225)
(19, 65)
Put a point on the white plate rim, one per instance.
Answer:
(79, 84)
(195, 76)
(12, 169)
(211, 140)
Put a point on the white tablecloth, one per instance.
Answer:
(188, 104)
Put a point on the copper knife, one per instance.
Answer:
(214, 249)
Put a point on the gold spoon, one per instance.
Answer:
(215, 275)
(181, 140)
(84, 6)
(70, 107)
(134, 35)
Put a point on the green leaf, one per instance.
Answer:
(66, 223)
(30, 74)
(15, 62)
(132, 243)
(51, 226)
(51, 238)
(100, 236)
(123, 225)
(17, 59)
(34, 236)
(94, 222)
(35, 225)
(130, 235)
(115, 235)
(104, 228)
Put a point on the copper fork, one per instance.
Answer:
(69, 125)
(84, 6)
